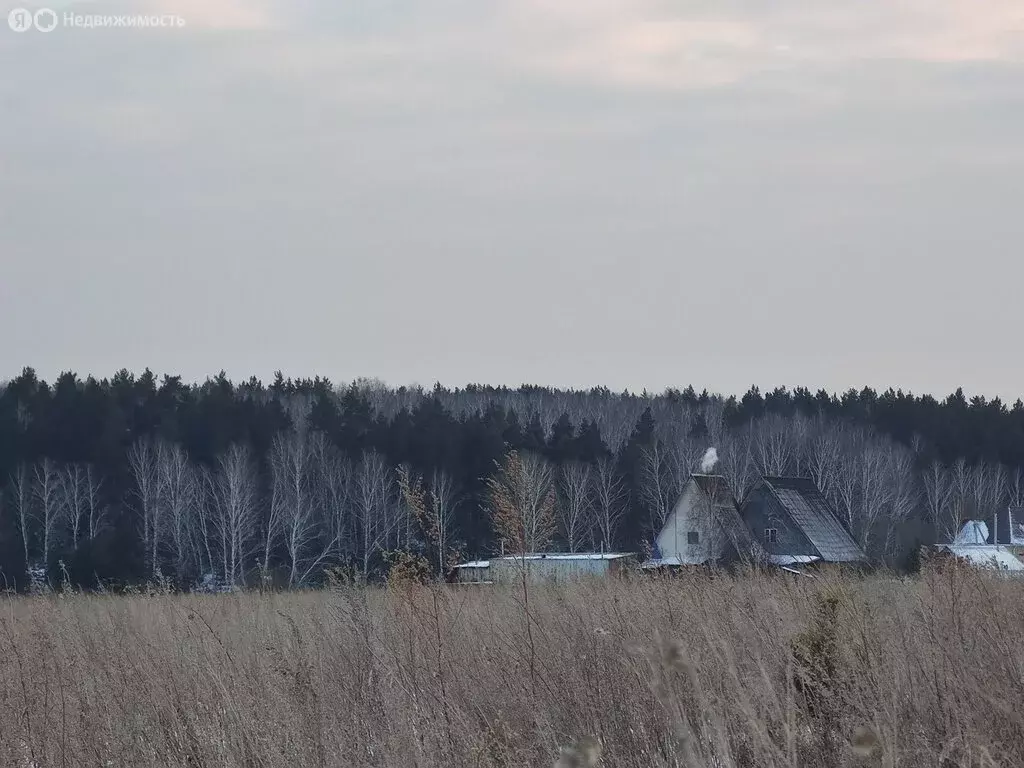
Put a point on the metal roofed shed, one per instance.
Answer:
(473, 572)
(544, 566)
(790, 517)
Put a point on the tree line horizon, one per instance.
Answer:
(132, 478)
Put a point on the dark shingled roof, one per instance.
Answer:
(811, 511)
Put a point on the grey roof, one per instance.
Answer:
(727, 514)
(813, 514)
(715, 488)
(973, 532)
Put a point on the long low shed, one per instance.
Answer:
(545, 566)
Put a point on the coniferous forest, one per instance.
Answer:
(139, 478)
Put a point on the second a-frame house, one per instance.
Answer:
(704, 527)
(794, 523)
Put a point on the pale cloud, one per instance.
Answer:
(645, 44)
(630, 43)
(648, 43)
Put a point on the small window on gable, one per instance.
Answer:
(771, 535)
(692, 537)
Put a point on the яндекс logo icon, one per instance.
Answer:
(20, 20)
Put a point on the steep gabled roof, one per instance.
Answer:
(812, 513)
(727, 514)
(973, 532)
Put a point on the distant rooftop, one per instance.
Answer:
(548, 556)
(974, 532)
(811, 511)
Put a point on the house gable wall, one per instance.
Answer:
(694, 512)
(760, 511)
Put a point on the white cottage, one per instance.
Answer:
(704, 527)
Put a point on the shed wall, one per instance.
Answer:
(543, 569)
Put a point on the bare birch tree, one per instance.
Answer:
(610, 499)
(960, 482)
(872, 498)
(235, 505)
(96, 510)
(296, 503)
(73, 499)
(858, 487)
(337, 487)
(538, 488)
(904, 494)
(375, 506)
(574, 504)
(823, 459)
(736, 460)
(180, 500)
(21, 505)
(773, 445)
(48, 508)
(142, 460)
(938, 494)
(988, 491)
(658, 490)
(444, 497)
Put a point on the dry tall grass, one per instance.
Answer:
(689, 672)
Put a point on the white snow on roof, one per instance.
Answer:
(987, 556)
(792, 559)
(974, 532)
(475, 564)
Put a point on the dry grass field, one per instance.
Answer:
(695, 671)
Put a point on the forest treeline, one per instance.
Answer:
(135, 478)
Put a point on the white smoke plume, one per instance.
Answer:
(710, 459)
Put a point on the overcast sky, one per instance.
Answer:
(630, 193)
